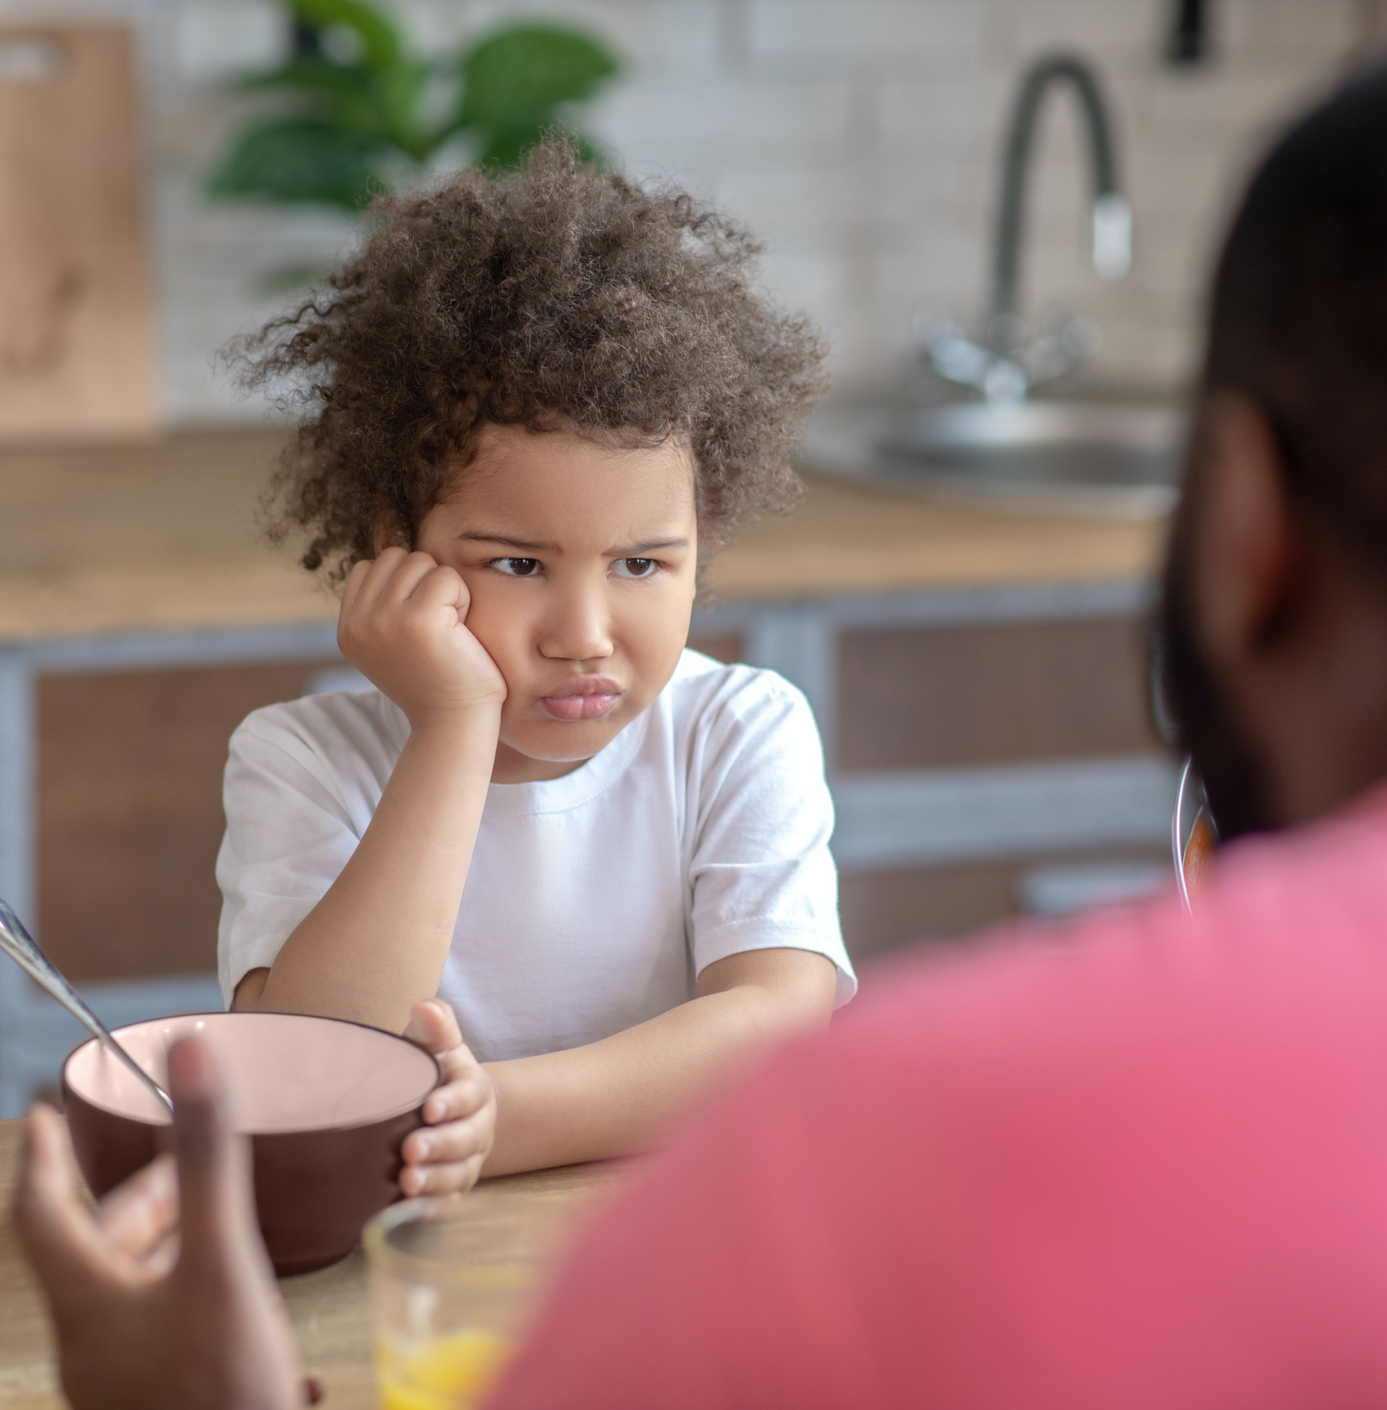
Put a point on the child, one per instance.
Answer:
(539, 404)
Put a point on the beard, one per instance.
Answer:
(1233, 782)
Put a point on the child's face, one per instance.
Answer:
(580, 561)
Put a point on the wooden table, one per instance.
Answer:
(522, 1213)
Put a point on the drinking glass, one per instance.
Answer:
(1193, 834)
(448, 1294)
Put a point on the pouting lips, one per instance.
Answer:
(580, 707)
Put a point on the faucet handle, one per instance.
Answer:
(954, 356)
(1007, 374)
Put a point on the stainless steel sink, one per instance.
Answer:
(1067, 457)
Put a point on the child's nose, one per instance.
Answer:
(578, 629)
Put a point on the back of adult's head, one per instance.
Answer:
(1274, 620)
(1298, 317)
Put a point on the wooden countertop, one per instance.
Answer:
(162, 537)
(329, 1308)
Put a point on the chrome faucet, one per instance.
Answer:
(1006, 365)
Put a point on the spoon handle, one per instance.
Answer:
(23, 949)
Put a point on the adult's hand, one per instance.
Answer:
(445, 1157)
(163, 1297)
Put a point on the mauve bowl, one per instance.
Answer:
(326, 1104)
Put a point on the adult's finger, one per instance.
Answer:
(139, 1214)
(161, 1259)
(239, 1326)
(217, 1205)
(54, 1226)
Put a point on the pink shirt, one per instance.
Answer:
(1138, 1161)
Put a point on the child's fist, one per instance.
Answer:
(402, 625)
(446, 1156)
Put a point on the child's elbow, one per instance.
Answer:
(785, 991)
(250, 990)
(806, 1002)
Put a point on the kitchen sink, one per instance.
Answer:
(1093, 457)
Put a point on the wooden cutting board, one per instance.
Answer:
(76, 325)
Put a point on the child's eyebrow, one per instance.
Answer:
(635, 550)
(532, 544)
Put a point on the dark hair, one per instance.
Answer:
(560, 296)
(1298, 322)
(1299, 309)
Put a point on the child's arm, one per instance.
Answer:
(611, 1097)
(375, 944)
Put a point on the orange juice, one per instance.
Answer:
(1199, 850)
(448, 1373)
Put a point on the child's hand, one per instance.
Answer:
(402, 625)
(445, 1157)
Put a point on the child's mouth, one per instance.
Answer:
(591, 700)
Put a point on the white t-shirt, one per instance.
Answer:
(594, 900)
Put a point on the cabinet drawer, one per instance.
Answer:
(884, 909)
(130, 812)
(919, 698)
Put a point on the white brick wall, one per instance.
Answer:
(858, 137)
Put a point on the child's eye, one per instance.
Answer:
(516, 567)
(634, 567)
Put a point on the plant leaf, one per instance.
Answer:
(380, 40)
(301, 160)
(312, 76)
(398, 93)
(519, 76)
(376, 103)
(506, 146)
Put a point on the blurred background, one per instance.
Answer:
(1001, 211)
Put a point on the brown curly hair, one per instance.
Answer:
(557, 296)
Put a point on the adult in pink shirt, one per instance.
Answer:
(1139, 1163)
(1140, 1160)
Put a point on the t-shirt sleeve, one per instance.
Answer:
(289, 833)
(761, 873)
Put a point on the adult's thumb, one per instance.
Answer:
(216, 1202)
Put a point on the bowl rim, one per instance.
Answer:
(388, 1115)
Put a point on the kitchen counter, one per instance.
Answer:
(162, 537)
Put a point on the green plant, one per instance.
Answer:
(364, 110)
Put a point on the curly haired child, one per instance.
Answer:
(536, 405)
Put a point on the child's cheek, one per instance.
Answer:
(498, 635)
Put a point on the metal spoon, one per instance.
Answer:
(23, 949)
